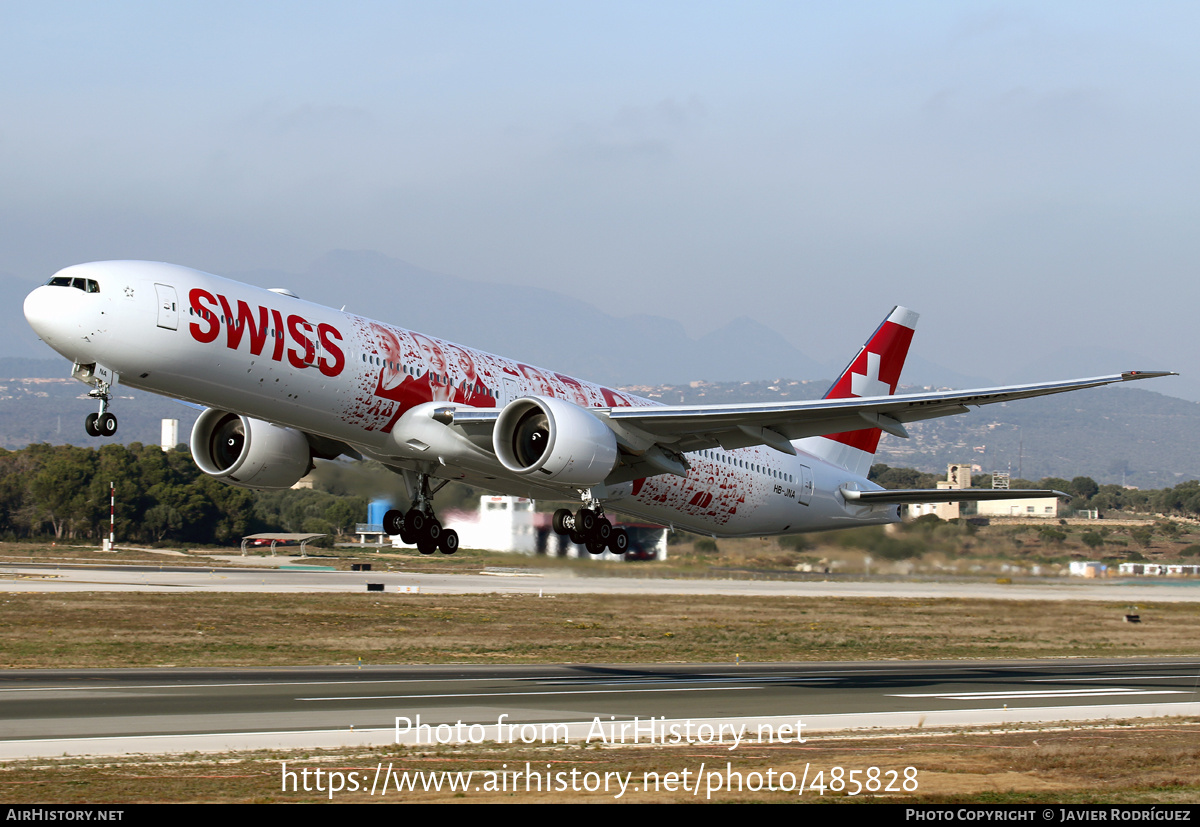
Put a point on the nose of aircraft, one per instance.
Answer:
(40, 312)
(58, 316)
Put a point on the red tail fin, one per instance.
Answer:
(875, 371)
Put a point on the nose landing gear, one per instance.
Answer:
(102, 423)
(101, 380)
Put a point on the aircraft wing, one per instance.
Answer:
(653, 438)
(683, 428)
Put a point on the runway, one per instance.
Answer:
(69, 578)
(107, 712)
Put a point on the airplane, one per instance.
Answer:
(284, 382)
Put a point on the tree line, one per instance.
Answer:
(62, 492)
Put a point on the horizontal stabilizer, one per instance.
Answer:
(948, 495)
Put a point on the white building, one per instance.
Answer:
(170, 434)
(1161, 569)
(501, 524)
(958, 476)
(1042, 507)
(513, 524)
(1087, 568)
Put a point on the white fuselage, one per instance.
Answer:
(270, 356)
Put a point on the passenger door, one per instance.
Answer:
(168, 311)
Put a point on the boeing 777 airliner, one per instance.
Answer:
(285, 382)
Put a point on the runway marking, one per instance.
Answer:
(200, 734)
(161, 687)
(530, 694)
(684, 679)
(1119, 678)
(535, 678)
(1042, 693)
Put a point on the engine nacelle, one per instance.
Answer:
(249, 452)
(555, 440)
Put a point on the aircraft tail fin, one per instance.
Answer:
(874, 371)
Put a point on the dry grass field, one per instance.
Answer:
(1147, 763)
(213, 629)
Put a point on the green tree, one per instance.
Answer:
(1083, 487)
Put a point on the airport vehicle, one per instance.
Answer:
(285, 382)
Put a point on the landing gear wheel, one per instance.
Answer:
(106, 424)
(585, 521)
(393, 523)
(603, 530)
(448, 543)
(596, 546)
(575, 537)
(415, 522)
(560, 521)
(89, 424)
(618, 543)
(427, 543)
(430, 538)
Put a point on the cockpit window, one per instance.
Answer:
(86, 285)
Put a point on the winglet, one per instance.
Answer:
(1131, 375)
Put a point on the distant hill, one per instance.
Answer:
(1116, 435)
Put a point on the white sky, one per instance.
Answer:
(1024, 174)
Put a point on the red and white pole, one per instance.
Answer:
(112, 511)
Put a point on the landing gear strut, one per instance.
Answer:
(589, 527)
(420, 526)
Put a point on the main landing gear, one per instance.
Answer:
(419, 525)
(589, 528)
(102, 423)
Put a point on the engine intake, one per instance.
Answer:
(555, 440)
(249, 452)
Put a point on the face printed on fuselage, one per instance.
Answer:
(431, 353)
(539, 384)
(575, 392)
(462, 364)
(392, 374)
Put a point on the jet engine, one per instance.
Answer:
(555, 440)
(249, 452)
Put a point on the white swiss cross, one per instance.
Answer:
(870, 384)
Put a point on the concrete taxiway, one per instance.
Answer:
(67, 578)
